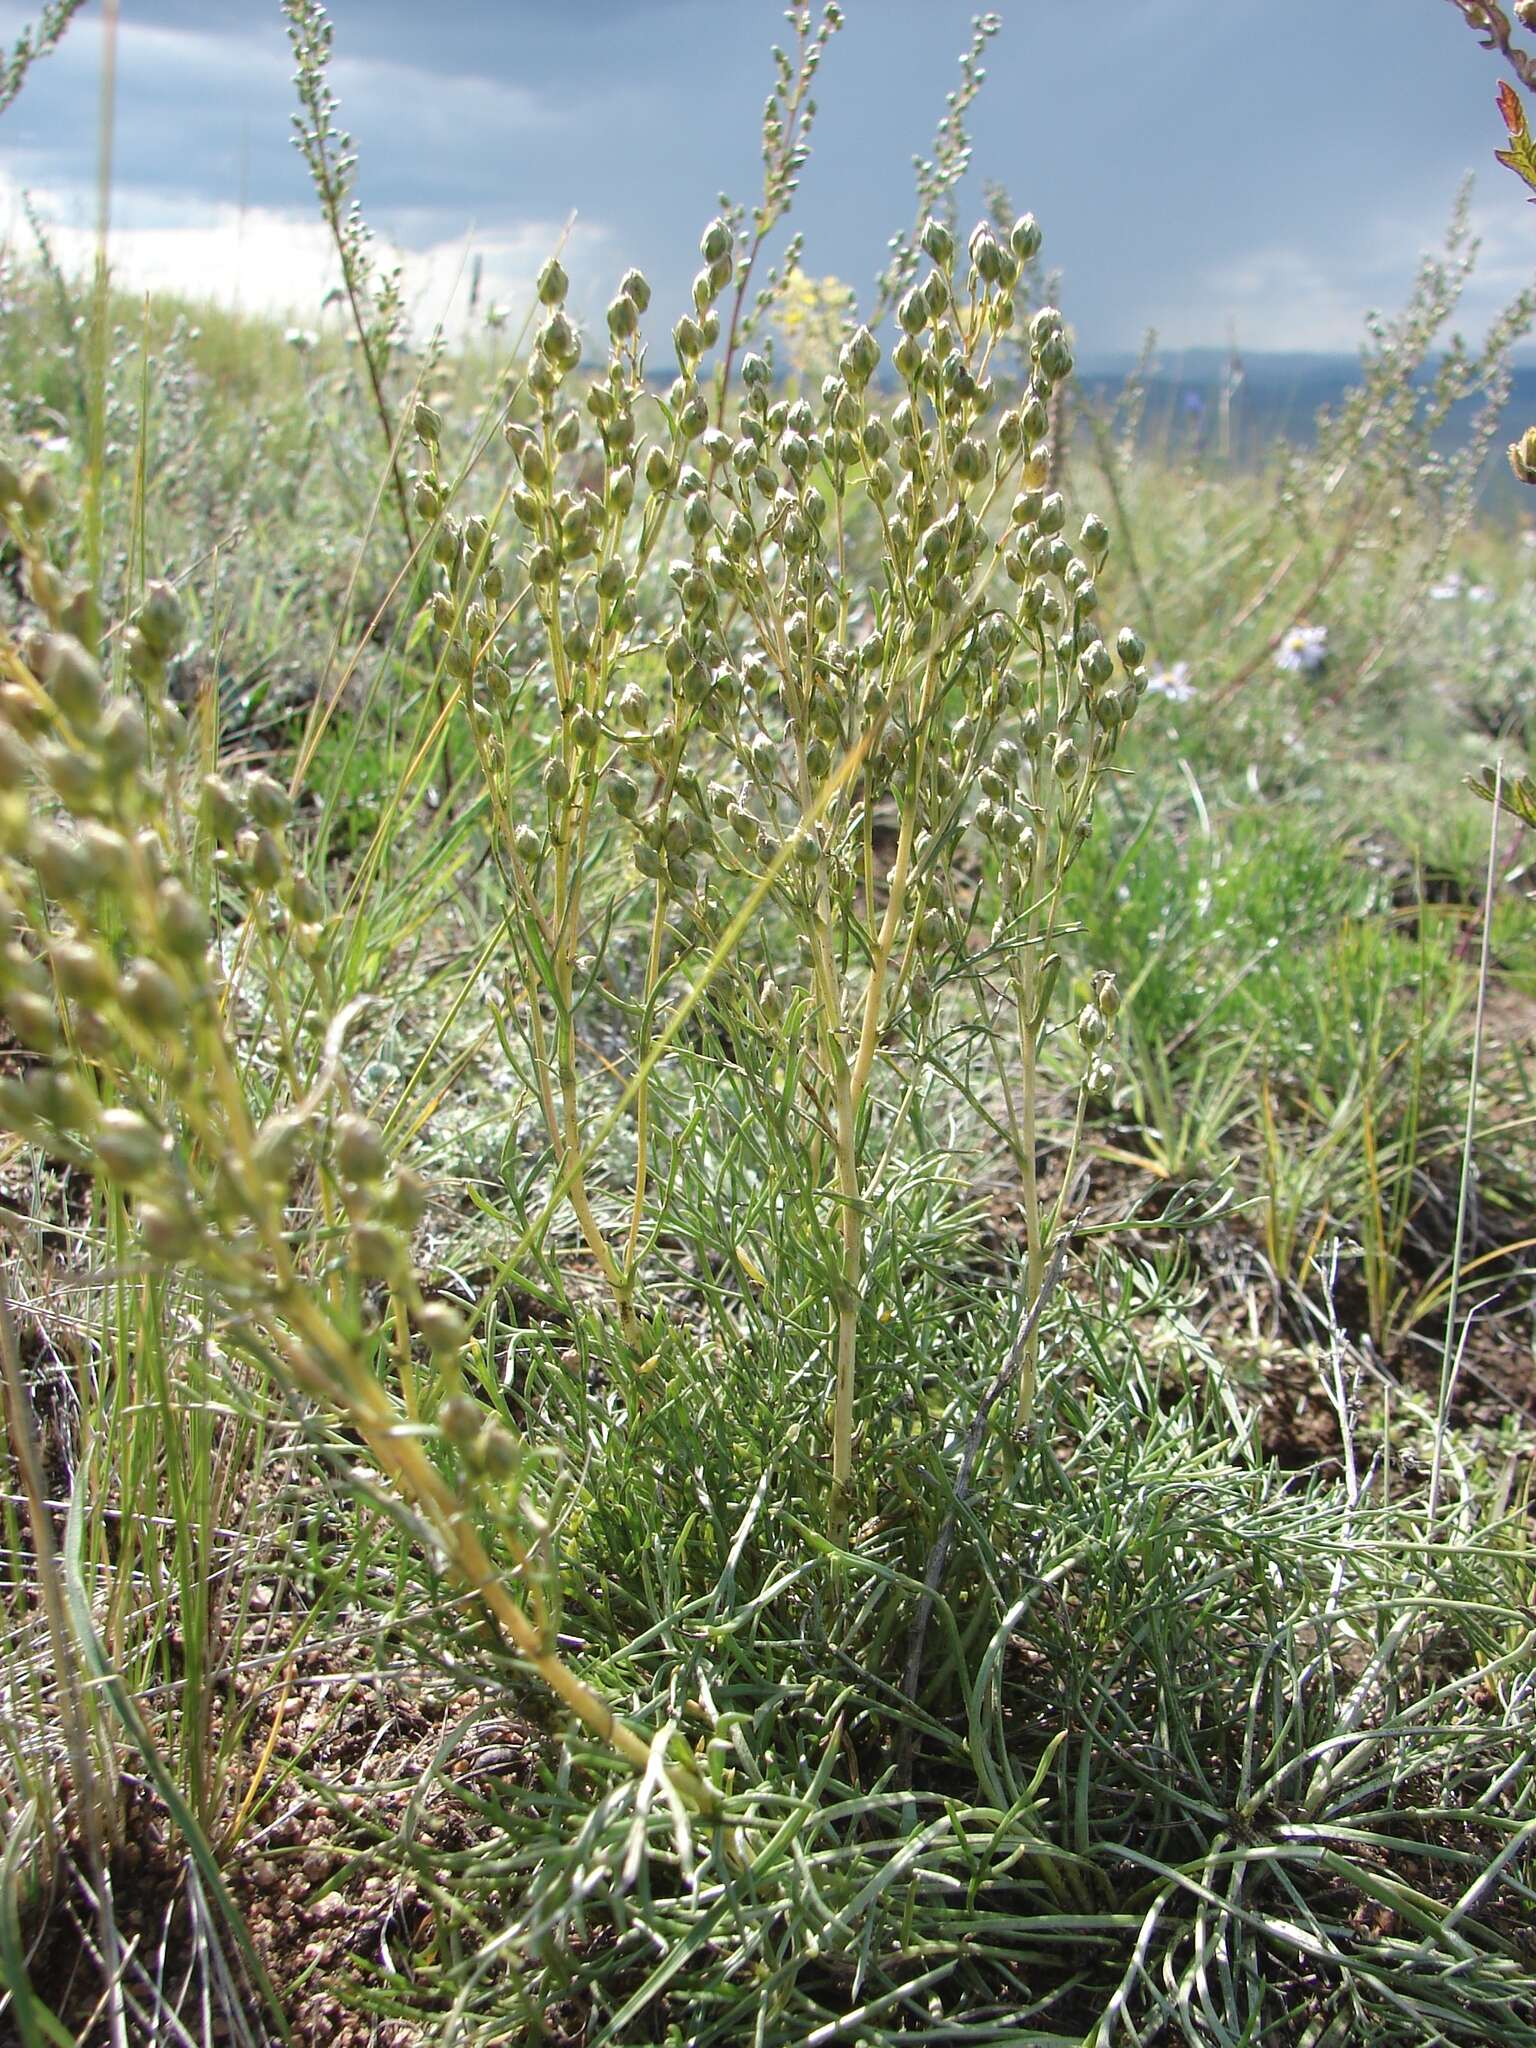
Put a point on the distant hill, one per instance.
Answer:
(1278, 398)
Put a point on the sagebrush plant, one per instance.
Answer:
(876, 670)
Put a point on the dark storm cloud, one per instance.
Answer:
(1278, 167)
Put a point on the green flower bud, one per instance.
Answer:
(859, 358)
(262, 856)
(528, 844)
(1097, 664)
(1130, 647)
(379, 1250)
(635, 289)
(1095, 540)
(443, 1328)
(269, 803)
(556, 778)
(1052, 516)
(688, 341)
(405, 1198)
(84, 972)
(552, 283)
(460, 1419)
(567, 434)
(1056, 359)
(912, 313)
(151, 997)
(74, 681)
(124, 737)
(1024, 238)
(427, 423)
(222, 809)
(623, 320)
(34, 1020)
(183, 926)
(61, 864)
(304, 900)
(986, 254)
(717, 241)
(559, 343)
(168, 1228)
(128, 1147)
(360, 1150)
(160, 619)
(499, 1452)
(938, 243)
(39, 497)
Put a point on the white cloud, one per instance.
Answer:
(1284, 296)
(270, 260)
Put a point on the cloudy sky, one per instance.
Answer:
(1203, 167)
